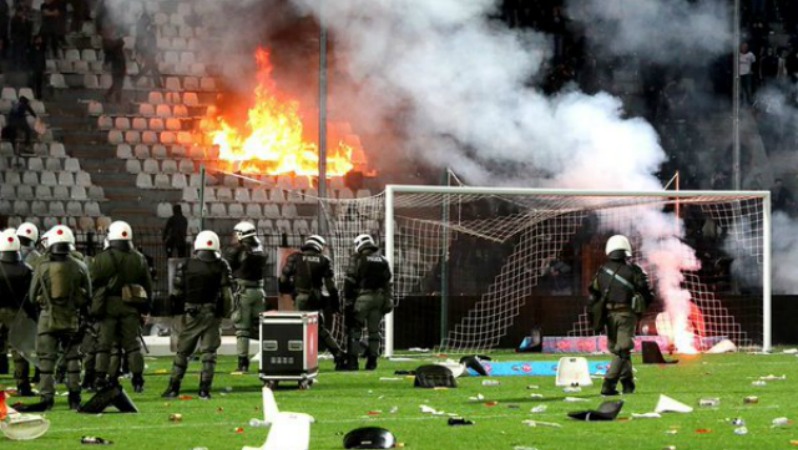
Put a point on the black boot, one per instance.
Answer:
(628, 385)
(205, 390)
(60, 375)
(100, 381)
(371, 363)
(173, 390)
(45, 404)
(351, 363)
(24, 389)
(608, 388)
(340, 361)
(243, 364)
(37, 376)
(74, 400)
(138, 383)
(88, 380)
(3, 364)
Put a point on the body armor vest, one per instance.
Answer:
(618, 293)
(17, 282)
(372, 270)
(248, 263)
(203, 281)
(311, 268)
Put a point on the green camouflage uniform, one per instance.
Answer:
(62, 288)
(368, 294)
(246, 261)
(621, 320)
(204, 288)
(15, 279)
(119, 321)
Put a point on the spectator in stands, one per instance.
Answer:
(146, 47)
(782, 197)
(174, 233)
(38, 65)
(747, 60)
(21, 32)
(18, 121)
(50, 28)
(769, 66)
(115, 55)
(791, 65)
(79, 14)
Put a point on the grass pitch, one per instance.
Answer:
(342, 401)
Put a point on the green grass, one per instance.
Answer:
(342, 401)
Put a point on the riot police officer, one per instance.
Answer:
(303, 275)
(368, 294)
(15, 278)
(246, 259)
(28, 235)
(122, 294)
(202, 285)
(623, 288)
(62, 288)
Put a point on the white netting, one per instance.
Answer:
(505, 261)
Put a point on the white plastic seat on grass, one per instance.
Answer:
(133, 166)
(38, 208)
(572, 372)
(162, 181)
(143, 181)
(72, 165)
(123, 151)
(74, 208)
(79, 193)
(61, 193)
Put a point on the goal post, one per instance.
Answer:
(528, 228)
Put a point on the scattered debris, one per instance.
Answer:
(780, 422)
(703, 431)
(239, 430)
(539, 409)
(394, 410)
(741, 431)
(572, 390)
(478, 398)
(535, 395)
(400, 359)
(606, 411)
(374, 413)
(538, 423)
(257, 423)
(667, 404)
(490, 382)
(533, 386)
(418, 350)
(772, 377)
(669, 447)
(390, 379)
(738, 422)
(574, 399)
(513, 406)
(648, 415)
(521, 447)
(709, 402)
(759, 383)
(791, 351)
(491, 404)
(94, 440)
(671, 431)
(457, 421)
(724, 346)
(185, 397)
(175, 417)
(430, 410)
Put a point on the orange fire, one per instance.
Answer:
(273, 141)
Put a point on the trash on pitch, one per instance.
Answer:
(539, 409)
(751, 399)
(418, 350)
(491, 404)
(186, 397)
(711, 402)
(738, 422)
(538, 423)
(780, 422)
(533, 386)
(572, 389)
(374, 412)
(478, 398)
(671, 431)
(703, 431)
(669, 447)
(176, 417)
(491, 382)
(648, 415)
(430, 410)
(394, 410)
(239, 430)
(741, 431)
(791, 351)
(667, 404)
(94, 440)
(772, 377)
(574, 399)
(257, 423)
(390, 379)
(759, 383)
(535, 395)
(457, 421)
(521, 447)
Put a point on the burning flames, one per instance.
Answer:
(273, 141)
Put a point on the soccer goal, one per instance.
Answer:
(477, 268)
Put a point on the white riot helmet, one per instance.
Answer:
(61, 234)
(45, 239)
(244, 230)
(362, 241)
(29, 231)
(120, 231)
(618, 242)
(207, 240)
(9, 242)
(315, 241)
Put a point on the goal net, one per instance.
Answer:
(478, 268)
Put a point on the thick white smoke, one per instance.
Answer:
(661, 31)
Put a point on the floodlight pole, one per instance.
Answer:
(322, 122)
